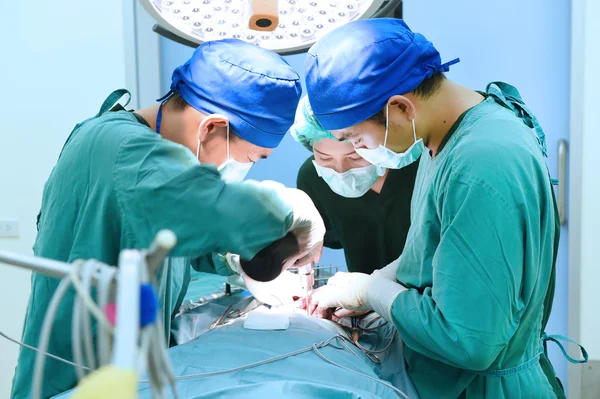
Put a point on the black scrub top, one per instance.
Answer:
(371, 229)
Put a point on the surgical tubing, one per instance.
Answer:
(85, 314)
(315, 348)
(158, 362)
(60, 359)
(40, 360)
(159, 369)
(368, 328)
(76, 342)
(83, 304)
(154, 374)
(107, 277)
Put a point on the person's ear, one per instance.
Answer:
(402, 104)
(210, 125)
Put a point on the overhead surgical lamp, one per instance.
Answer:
(284, 26)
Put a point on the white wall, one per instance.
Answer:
(584, 313)
(58, 62)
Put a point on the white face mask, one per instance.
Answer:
(386, 158)
(353, 183)
(231, 170)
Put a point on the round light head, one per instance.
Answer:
(301, 22)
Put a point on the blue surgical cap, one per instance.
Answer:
(254, 87)
(352, 71)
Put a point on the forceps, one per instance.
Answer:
(220, 319)
(229, 313)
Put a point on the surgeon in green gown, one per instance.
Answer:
(123, 176)
(472, 291)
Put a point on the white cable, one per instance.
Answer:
(76, 328)
(89, 302)
(88, 268)
(154, 363)
(387, 384)
(367, 328)
(163, 361)
(40, 360)
(152, 342)
(84, 300)
(314, 348)
(147, 341)
(146, 348)
(374, 352)
(105, 284)
(60, 359)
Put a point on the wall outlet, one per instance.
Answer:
(9, 228)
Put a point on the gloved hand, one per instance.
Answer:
(324, 313)
(344, 290)
(307, 224)
(231, 261)
(341, 313)
(357, 292)
(388, 272)
(280, 291)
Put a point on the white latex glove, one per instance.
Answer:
(232, 261)
(388, 272)
(278, 292)
(307, 224)
(357, 292)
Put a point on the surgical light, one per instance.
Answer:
(284, 26)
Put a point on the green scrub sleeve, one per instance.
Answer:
(161, 185)
(213, 264)
(473, 305)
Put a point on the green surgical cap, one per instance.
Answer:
(306, 128)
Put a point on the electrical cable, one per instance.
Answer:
(159, 368)
(315, 347)
(88, 268)
(75, 341)
(60, 359)
(373, 321)
(147, 338)
(40, 360)
(89, 302)
(163, 359)
(370, 353)
(385, 383)
(80, 275)
(385, 348)
(103, 338)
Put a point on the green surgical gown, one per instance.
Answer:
(115, 185)
(478, 262)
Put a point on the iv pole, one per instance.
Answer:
(164, 241)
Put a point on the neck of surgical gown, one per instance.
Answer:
(478, 262)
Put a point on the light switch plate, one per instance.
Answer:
(9, 228)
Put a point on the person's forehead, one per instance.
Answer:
(346, 133)
(263, 151)
(331, 146)
(255, 149)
